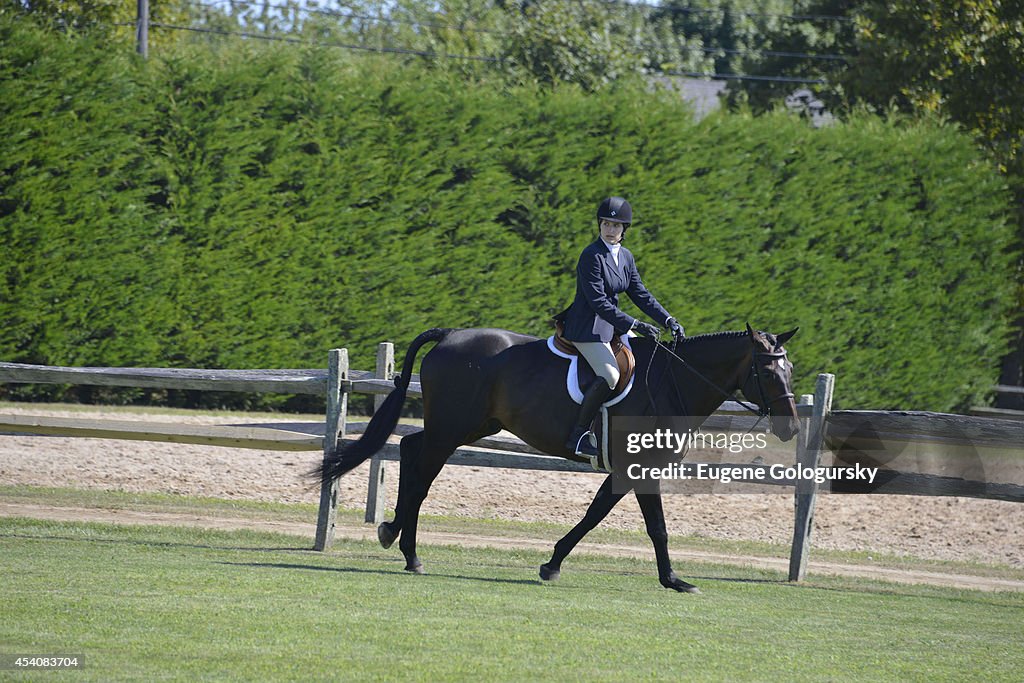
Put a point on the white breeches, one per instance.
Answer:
(601, 359)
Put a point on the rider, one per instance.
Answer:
(605, 269)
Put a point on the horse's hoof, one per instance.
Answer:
(385, 535)
(680, 585)
(415, 568)
(549, 574)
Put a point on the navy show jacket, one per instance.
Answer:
(594, 314)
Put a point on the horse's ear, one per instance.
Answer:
(750, 331)
(786, 336)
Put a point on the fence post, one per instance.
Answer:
(809, 447)
(142, 27)
(334, 430)
(376, 494)
(801, 437)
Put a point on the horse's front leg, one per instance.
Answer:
(603, 502)
(654, 518)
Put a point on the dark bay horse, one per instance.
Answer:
(476, 382)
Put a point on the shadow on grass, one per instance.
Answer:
(384, 572)
(893, 589)
(157, 544)
(882, 589)
(733, 579)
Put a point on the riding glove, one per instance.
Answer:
(646, 329)
(675, 328)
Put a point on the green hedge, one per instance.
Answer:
(254, 206)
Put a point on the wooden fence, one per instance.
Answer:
(1004, 412)
(338, 381)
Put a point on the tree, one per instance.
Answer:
(726, 31)
(960, 59)
(570, 42)
(117, 18)
(808, 44)
(963, 59)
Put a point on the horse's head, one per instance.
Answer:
(768, 383)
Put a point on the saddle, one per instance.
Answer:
(584, 373)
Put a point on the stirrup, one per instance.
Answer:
(583, 446)
(596, 461)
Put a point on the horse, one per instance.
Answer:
(478, 381)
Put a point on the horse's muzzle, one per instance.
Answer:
(785, 427)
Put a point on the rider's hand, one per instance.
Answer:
(646, 329)
(676, 329)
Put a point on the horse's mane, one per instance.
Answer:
(718, 336)
(709, 336)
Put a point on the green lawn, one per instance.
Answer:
(258, 511)
(162, 603)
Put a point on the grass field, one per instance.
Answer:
(273, 512)
(167, 603)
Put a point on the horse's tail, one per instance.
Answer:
(384, 420)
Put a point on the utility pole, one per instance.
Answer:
(142, 28)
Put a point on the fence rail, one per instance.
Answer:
(919, 426)
(255, 381)
(825, 428)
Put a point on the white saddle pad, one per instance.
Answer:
(572, 382)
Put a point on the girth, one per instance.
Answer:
(623, 358)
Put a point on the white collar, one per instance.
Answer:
(613, 249)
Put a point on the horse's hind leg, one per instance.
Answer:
(654, 519)
(419, 475)
(409, 448)
(604, 500)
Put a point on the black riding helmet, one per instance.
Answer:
(617, 210)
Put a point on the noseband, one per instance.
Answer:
(765, 409)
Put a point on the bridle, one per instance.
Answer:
(762, 411)
(766, 410)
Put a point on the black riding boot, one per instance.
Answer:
(579, 441)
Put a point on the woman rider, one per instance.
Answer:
(605, 269)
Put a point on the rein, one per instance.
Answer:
(761, 413)
(647, 384)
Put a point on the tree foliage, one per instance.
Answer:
(962, 59)
(113, 18)
(572, 42)
(729, 32)
(591, 43)
(259, 208)
(959, 59)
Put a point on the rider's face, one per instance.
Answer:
(611, 232)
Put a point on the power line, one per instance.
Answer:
(708, 10)
(743, 77)
(762, 53)
(463, 29)
(437, 55)
(628, 4)
(362, 17)
(297, 41)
